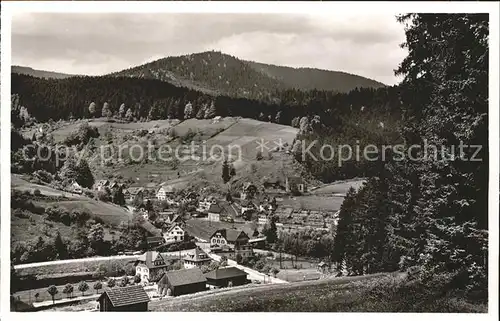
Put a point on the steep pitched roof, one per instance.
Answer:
(214, 208)
(198, 256)
(186, 276)
(172, 227)
(128, 295)
(247, 203)
(150, 257)
(295, 180)
(225, 273)
(229, 234)
(248, 185)
(135, 190)
(166, 188)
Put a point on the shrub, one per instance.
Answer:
(130, 270)
(44, 176)
(36, 192)
(104, 196)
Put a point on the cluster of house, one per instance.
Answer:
(224, 242)
(288, 217)
(100, 185)
(154, 269)
(170, 283)
(292, 184)
(175, 231)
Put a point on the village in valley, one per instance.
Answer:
(266, 225)
(289, 163)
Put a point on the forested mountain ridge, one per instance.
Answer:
(39, 73)
(312, 78)
(234, 77)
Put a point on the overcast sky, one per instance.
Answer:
(96, 44)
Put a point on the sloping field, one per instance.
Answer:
(102, 123)
(29, 229)
(328, 295)
(248, 134)
(110, 213)
(20, 184)
(314, 202)
(209, 127)
(240, 134)
(339, 187)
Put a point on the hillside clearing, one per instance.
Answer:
(340, 187)
(314, 203)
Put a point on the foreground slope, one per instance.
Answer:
(382, 292)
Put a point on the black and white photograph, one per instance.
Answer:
(296, 161)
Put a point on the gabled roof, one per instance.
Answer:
(247, 203)
(102, 182)
(121, 296)
(230, 234)
(172, 227)
(151, 256)
(166, 188)
(225, 273)
(295, 180)
(135, 190)
(247, 185)
(214, 208)
(198, 256)
(116, 184)
(186, 276)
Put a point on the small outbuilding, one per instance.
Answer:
(129, 299)
(181, 282)
(226, 277)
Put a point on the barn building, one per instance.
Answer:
(181, 282)
(129, 298)
(226, 277)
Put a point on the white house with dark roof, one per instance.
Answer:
(196, 259)
(214, 213)
(101, 184)
(174, 234)
(247, 205)
(150, 265)
(163, 192)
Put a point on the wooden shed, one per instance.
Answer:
(181, 282)
(225, 277)
(129, 298)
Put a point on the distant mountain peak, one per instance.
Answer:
(215, 71)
